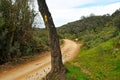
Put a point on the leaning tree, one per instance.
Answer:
(57, 68)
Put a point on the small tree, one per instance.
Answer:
(58, 68)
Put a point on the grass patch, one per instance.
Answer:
(75, 73)
(99, 63)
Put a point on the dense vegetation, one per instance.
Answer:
(18, 37)
(92, 30)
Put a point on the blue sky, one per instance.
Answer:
(64, 11)
(98, 3)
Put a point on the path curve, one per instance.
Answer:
(38, 69)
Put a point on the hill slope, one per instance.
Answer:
(99, 58)
(99, 63)
(92, 30)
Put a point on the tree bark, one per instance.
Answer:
(57, 67)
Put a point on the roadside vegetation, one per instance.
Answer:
(98, 63)
(18, 35)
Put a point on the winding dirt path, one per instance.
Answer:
(38, 69)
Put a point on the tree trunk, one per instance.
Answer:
(57, 67)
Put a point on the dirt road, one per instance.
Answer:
(37, 69)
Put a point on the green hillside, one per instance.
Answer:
(99, 57)
(98, 63)
(92, 30)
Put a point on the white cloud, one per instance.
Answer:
(64, 11)
(72, 14)
(63, 4)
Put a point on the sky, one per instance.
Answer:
(65, 11)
